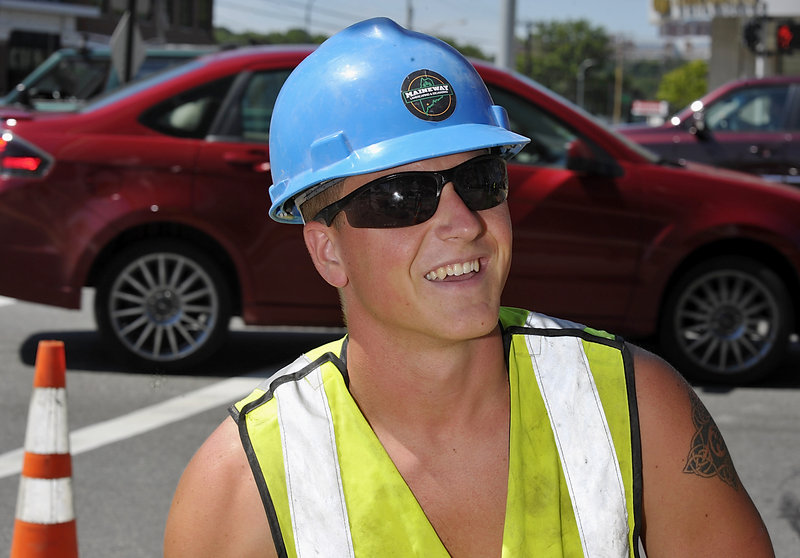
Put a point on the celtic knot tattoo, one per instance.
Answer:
(708, 455)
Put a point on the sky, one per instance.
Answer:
(474, 22)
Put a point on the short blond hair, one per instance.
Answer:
(316, 203)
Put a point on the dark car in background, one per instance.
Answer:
(750, 125)
(156, 196)
(70, 77)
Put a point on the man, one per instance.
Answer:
(443, 424)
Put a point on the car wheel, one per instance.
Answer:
(163, 304)
(728, 321)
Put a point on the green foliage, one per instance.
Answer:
(684, 84)
(642, 77)
(551, 54)
(470, 51)
(554, 51)
(224, 36)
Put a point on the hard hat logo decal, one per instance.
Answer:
(428, 96)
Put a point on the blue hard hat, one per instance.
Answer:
(373, 97)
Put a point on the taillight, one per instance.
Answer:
(19, 158)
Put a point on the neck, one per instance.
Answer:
(431, 388)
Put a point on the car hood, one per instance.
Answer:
(18, 113)
(643, 133)
(23, 115)
(741, 178)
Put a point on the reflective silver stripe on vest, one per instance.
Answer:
(584, 441)
(313, 479)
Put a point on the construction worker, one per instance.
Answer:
(443, 424)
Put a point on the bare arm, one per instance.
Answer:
(694, 502)
(217, 511)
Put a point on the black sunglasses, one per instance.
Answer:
(410, 198)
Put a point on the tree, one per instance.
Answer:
(684, 84)
(643, 77)
(292, 36)
(470, 51)
(554, 51)
(225, 36)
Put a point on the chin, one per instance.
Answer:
(472, 323)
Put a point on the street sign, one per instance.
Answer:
(649, 108)
(120, 41)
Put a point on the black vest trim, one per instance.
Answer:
(633, 408)
(266, 499)
(616, 342)
(255, 467)
(636, 446)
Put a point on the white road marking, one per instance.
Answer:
(145, 419)
(5, 301)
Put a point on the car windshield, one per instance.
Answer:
(68, 77)
(637, 147)
(135, 87)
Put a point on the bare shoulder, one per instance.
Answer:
(217, 510)
(694, 502)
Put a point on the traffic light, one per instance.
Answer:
(753, 35)
(786, 36)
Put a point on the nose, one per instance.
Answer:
(453, 218)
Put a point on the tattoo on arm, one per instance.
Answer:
(708, 455)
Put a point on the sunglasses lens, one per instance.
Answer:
(410, 198)
(482, 183)
(399, 201)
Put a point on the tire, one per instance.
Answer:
(163, 304)
(728, 321)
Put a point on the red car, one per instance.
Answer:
(751, 125)
(157, 196)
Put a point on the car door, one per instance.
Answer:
(576, 234)
(747, 130)
(232, 199)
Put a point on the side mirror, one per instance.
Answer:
(582, 158)
(23, 95)
(697, 126)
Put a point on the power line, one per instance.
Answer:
(319, 10)
(300, 18)
(294, 13)
(251, 10)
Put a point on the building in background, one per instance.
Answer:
(741, 35)
(30, 30)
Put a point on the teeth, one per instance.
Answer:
(453, 269)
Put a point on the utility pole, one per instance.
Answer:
(620, 60)
(581, 75)
(529, 49)
(761, 13)
(129, 41)
(505, 53)
(309, 5)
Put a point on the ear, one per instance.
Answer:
(322, 245)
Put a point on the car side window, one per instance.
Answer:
(256, 102)
(249, 111)
(744, 110)
(190, 113)
(73, 78)
(549, 138)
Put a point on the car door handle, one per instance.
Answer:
(257, 160)
(764, 151)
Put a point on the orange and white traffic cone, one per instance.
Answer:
(45, 519)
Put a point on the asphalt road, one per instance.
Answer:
(133, 431)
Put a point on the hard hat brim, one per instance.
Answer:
(393, 153)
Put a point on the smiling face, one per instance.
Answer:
(438, 280)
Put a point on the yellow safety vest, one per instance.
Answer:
(574, 485)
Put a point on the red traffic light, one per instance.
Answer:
(786, 36)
